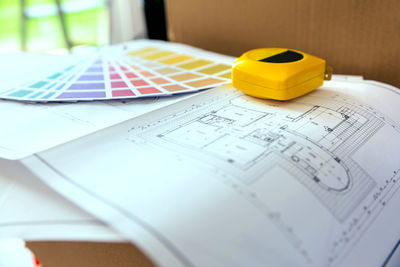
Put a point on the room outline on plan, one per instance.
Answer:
(314, 143)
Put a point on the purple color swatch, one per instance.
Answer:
(98, 77)
(81, 95)
(95, 69)
(84, 86)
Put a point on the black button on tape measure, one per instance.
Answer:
(284, 57)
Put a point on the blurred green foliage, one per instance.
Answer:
(86, 27)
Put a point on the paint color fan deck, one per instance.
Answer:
(132, 70)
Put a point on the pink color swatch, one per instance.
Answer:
(115, 76)
(122, 93)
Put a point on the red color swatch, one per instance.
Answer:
(120, 84)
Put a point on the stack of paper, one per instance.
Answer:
(219, 178)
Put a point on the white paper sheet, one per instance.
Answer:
(32, 211)
(18, 68)
(223, 179)
(14, 253)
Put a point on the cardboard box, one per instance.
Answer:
(355, 36)
(88, 254)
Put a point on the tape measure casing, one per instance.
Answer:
(277, 73)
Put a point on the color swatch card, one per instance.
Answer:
(132, 70)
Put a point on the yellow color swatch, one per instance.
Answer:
(195, 64)
(226, 75)
(174, 60)
(151, 64)
(166, 70)
(215, 69)
(158, 55)
(142, 51)
(184, 77)
(204, 82)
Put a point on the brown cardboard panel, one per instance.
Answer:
(88, 254)
(355, 36)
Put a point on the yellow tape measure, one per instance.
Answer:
(278, 73)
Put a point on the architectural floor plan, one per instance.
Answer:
(308, 182)
(313, 142)
(315, 139)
